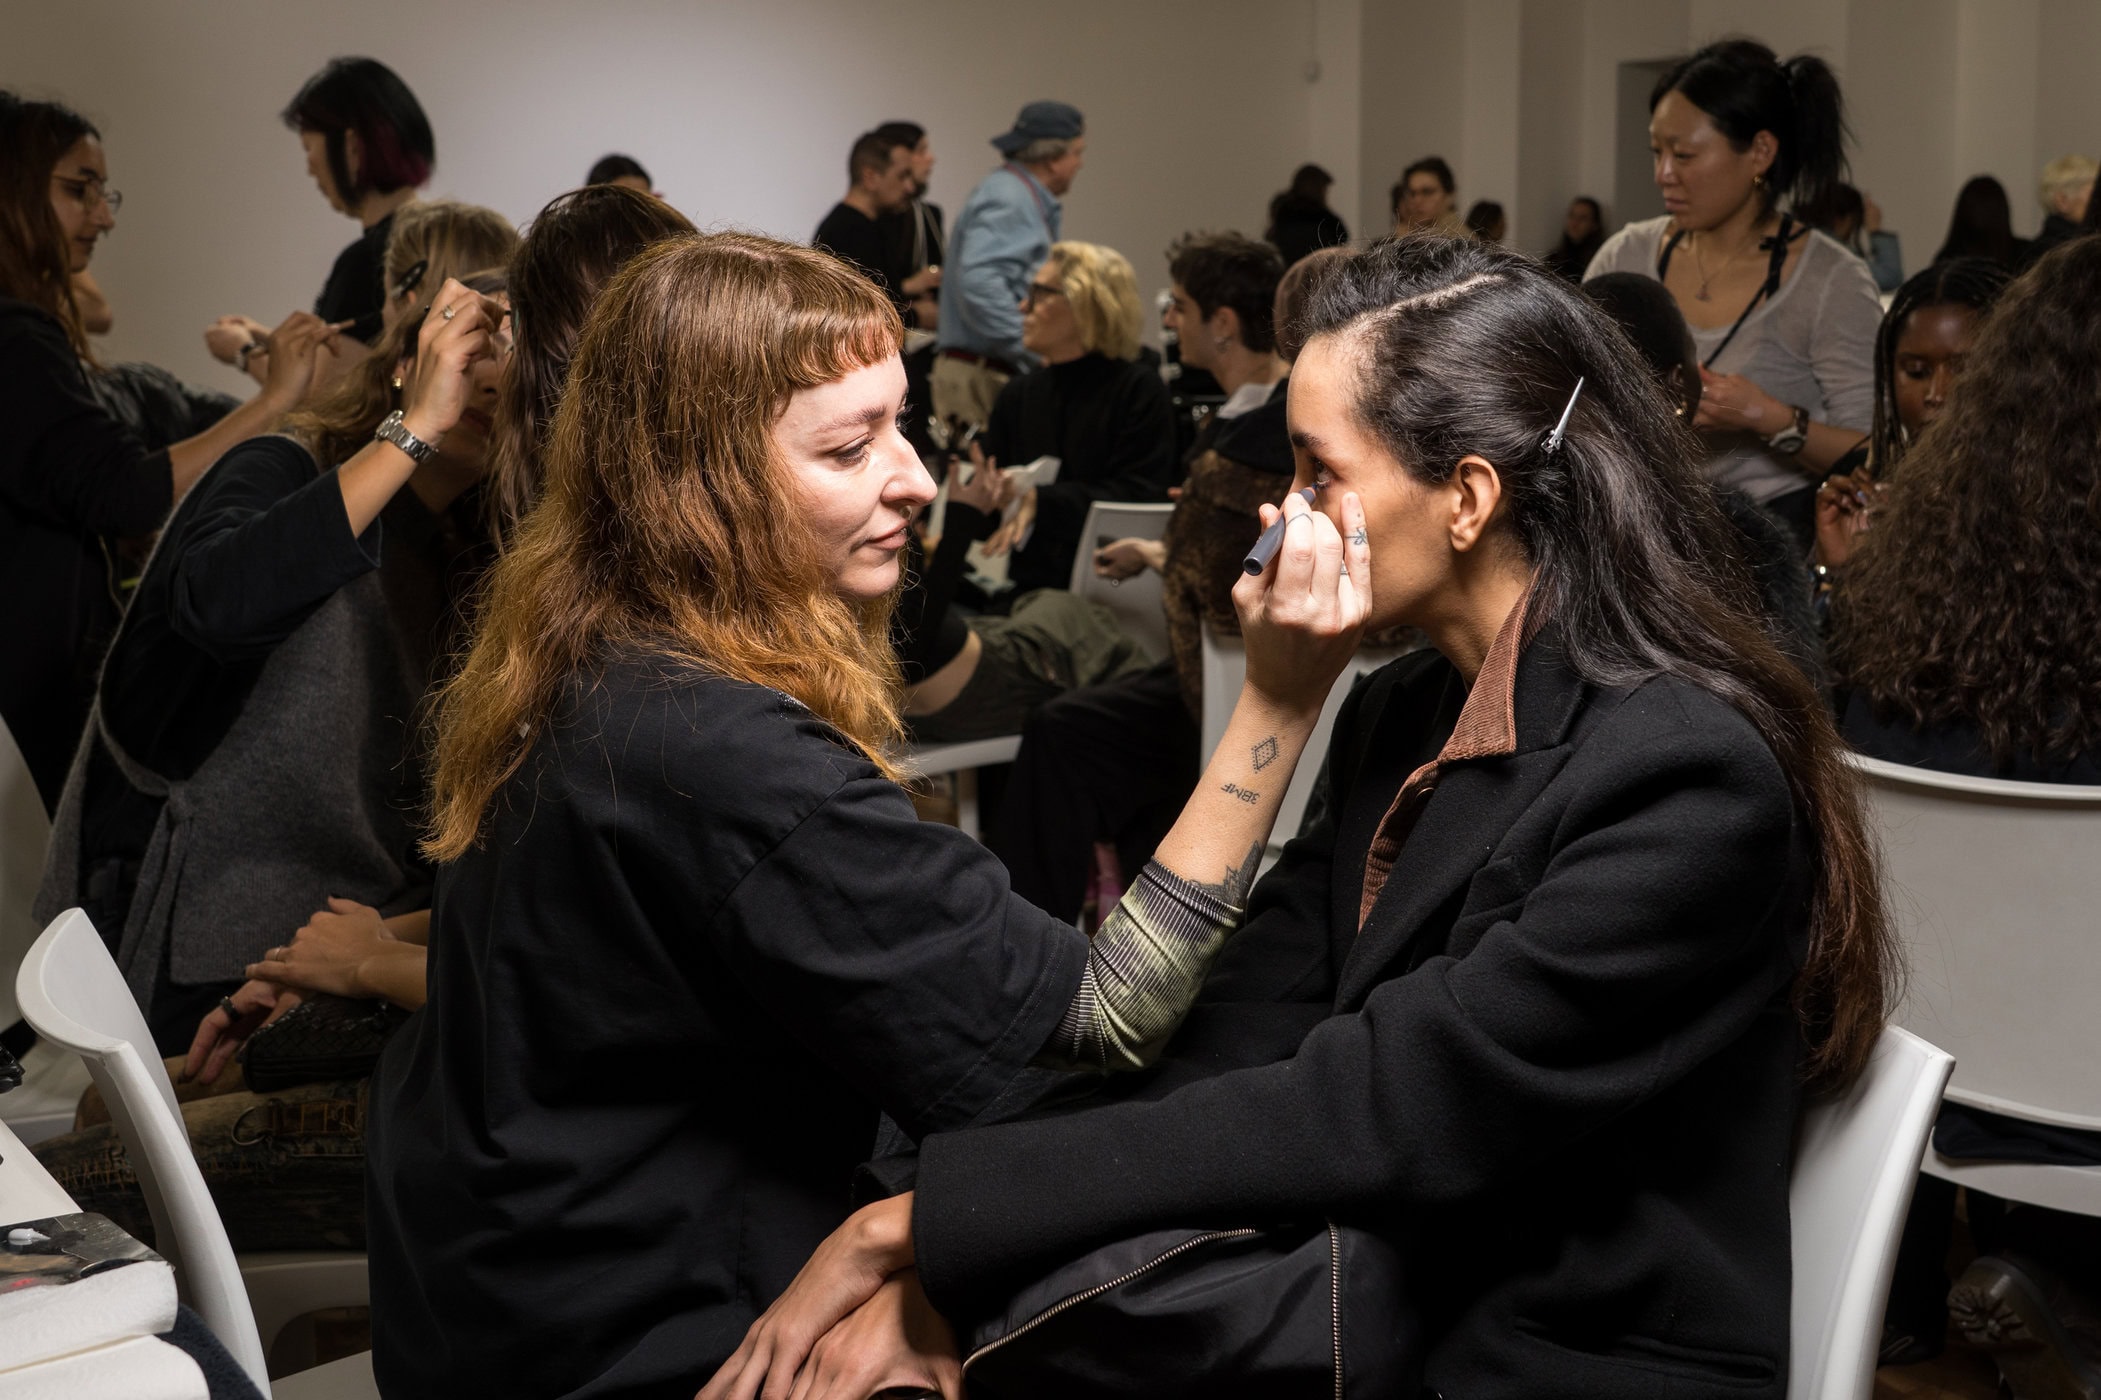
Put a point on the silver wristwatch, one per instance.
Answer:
(1790, 438)
(392, 430)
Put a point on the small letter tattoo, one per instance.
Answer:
(1265, 753)
(1244, 794)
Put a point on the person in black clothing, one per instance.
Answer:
(1092, 404)
(666, 813)
(1300, 221)
(1982, 226)
(74, 478)
(368, 148)
(1963, 635)
(1115, 762)
(915, 235)
(1582, 234)
(276, 618)
(1538, 998)
(880, 174)
(2067, 192)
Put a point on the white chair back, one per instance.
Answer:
(1225, 670)
(1996, 890)
(1856, 1160)
(73, 994)
(24, 833)
(1135, 601)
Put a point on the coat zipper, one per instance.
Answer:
(1335, 1299)
(1100, 1288)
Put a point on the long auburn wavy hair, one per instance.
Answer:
(1977, 596)
(1462, 347)
(666, 521)
(451, 240)
(571, 248)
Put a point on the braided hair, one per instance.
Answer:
(1972, 282)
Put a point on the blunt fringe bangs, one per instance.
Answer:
(666, 523)
(1460, 347)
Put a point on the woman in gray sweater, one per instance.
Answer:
(1784, 317)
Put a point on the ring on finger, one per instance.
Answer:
(448, 312)
(226, 1005)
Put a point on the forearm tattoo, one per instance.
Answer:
(1146, 965)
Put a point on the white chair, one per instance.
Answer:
(1856, 1161)
(73, 994)
(1996, 887)
(1225, 669)
(964, 760)
(1136, 602)
(42, 1105)
(1137, 606)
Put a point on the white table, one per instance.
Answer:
(27, 1191)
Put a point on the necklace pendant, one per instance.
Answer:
(1701, 295)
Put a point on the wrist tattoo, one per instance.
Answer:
(1247, 795)
(1232, 888)
(1265, 753)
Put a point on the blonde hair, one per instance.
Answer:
(1103, 291)
(451, 239)
(2066, 173)
(456, 240)
(660, 525)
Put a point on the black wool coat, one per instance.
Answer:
(1557, 1064)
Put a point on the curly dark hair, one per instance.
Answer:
(1973, 282)
(1977, 596)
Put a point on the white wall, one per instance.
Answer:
(1197, 111)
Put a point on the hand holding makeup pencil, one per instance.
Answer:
(1302, 616)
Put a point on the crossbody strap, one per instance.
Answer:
(1776, 264)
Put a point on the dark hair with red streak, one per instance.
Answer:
(366, 96)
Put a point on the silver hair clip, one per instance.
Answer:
(1561, 428)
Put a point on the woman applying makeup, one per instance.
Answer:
(72, 477)
(1537, 998)
(667, 820)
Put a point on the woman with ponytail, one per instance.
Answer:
(1537, 998)
(1784, 317)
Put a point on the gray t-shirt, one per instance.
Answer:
(1811, 343)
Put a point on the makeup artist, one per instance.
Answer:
(753, 945)
(1784, 317)
(1536, 1000)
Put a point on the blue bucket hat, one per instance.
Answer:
(1041, 121)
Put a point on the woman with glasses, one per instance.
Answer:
(73, 479)
(251, 747)
(1093, 404)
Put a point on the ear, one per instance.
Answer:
(1224, 324)
(1765, 149)
(1476, 490)
(354, 156)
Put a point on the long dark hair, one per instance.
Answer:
(1982, 224)
(1744, 89)
(1972, 282)
(366, 96)
(572, 248)
(34, 266)
(1463, 348)
(1977, 596)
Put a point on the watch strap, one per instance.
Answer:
(392, 429)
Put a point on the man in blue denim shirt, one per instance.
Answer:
(1001, 236)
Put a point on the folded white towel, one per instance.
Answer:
(43, 1321)
(143, 1368)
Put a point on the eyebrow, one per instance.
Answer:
(873, 414)
(1308, 441)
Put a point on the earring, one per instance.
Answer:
(397, 383)
(1758, 181)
